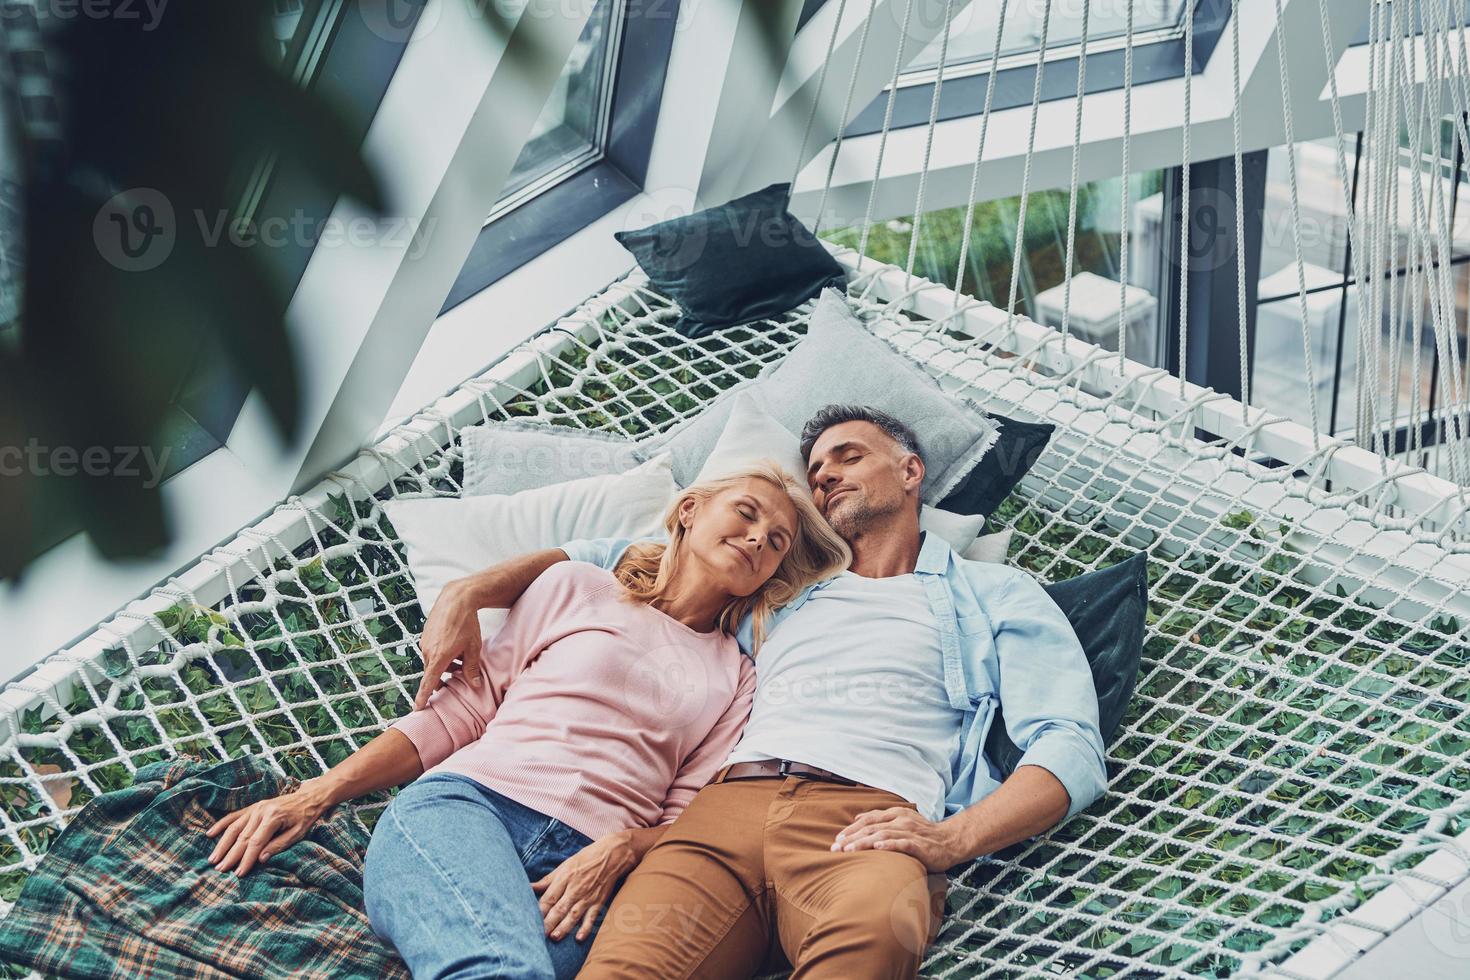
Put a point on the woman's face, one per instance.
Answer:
(741, 534)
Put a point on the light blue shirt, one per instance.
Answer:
(1003, 641)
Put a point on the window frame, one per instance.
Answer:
(587, 158)
(520, 233)
(1159, 58)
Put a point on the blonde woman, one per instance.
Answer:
(589, 722)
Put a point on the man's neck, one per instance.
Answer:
(886, 551)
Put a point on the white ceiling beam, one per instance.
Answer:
(773, 154)
(460, 107)
(759, 48)
(711, 36)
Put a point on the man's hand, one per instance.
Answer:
(452, 633)
(902, 829)
(575, 893)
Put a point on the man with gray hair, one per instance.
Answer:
(861, 776)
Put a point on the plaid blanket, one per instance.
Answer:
(126, 889)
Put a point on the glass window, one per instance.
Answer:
(570, 133)
(12, 252)
(1039, 294)
(972, 32)
(286, 21)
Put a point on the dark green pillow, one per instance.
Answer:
(742, 261)
(1016, 450)
(1107, 609)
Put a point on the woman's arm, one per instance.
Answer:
(453, 628)
(708, 756)
(574, 894)
(251, 835)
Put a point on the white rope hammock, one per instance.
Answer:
(1296, 749)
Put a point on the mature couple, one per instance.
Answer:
(557, 756)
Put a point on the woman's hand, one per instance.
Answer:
(251, 835)
(575, 893)
(451, 633)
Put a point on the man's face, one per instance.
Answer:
(860, 476)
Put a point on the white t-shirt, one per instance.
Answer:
(853, 682)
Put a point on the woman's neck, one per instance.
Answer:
(693, 601)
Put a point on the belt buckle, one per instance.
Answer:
(784, 769)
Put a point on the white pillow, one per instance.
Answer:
(450, 537)
(753, 434)
(992, 548)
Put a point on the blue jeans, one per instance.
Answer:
(448, 883)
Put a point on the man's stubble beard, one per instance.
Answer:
(857, 516)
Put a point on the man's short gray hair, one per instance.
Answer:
(830, 415)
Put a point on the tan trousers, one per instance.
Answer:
(746, 881)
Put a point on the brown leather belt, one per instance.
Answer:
(767, 768)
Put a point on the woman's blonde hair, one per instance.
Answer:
(817, 552)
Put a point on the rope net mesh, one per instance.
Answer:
(1298, 735)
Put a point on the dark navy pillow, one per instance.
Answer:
(1107, 609)
(1017, 449)
(741, 261)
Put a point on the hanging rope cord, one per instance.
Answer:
(1435, 223)
(1296, 228)
(1242, 346)
(903, 36)
(1025, 199)
(1434, 34)
(811, 116)
(1446, 19)
(1356, 215)
(1460, 86)
(1000, 28)
(1441, 31)
(1378, 380)
(918, 221)
(1073, 186)
(1186, 215)
(1381, 161)
(1421, 263)
(1124, 220)
(846, 113)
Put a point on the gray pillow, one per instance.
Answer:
(841, 362)
(508, 457)
(691, 443)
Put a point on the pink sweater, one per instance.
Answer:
(599, 712)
